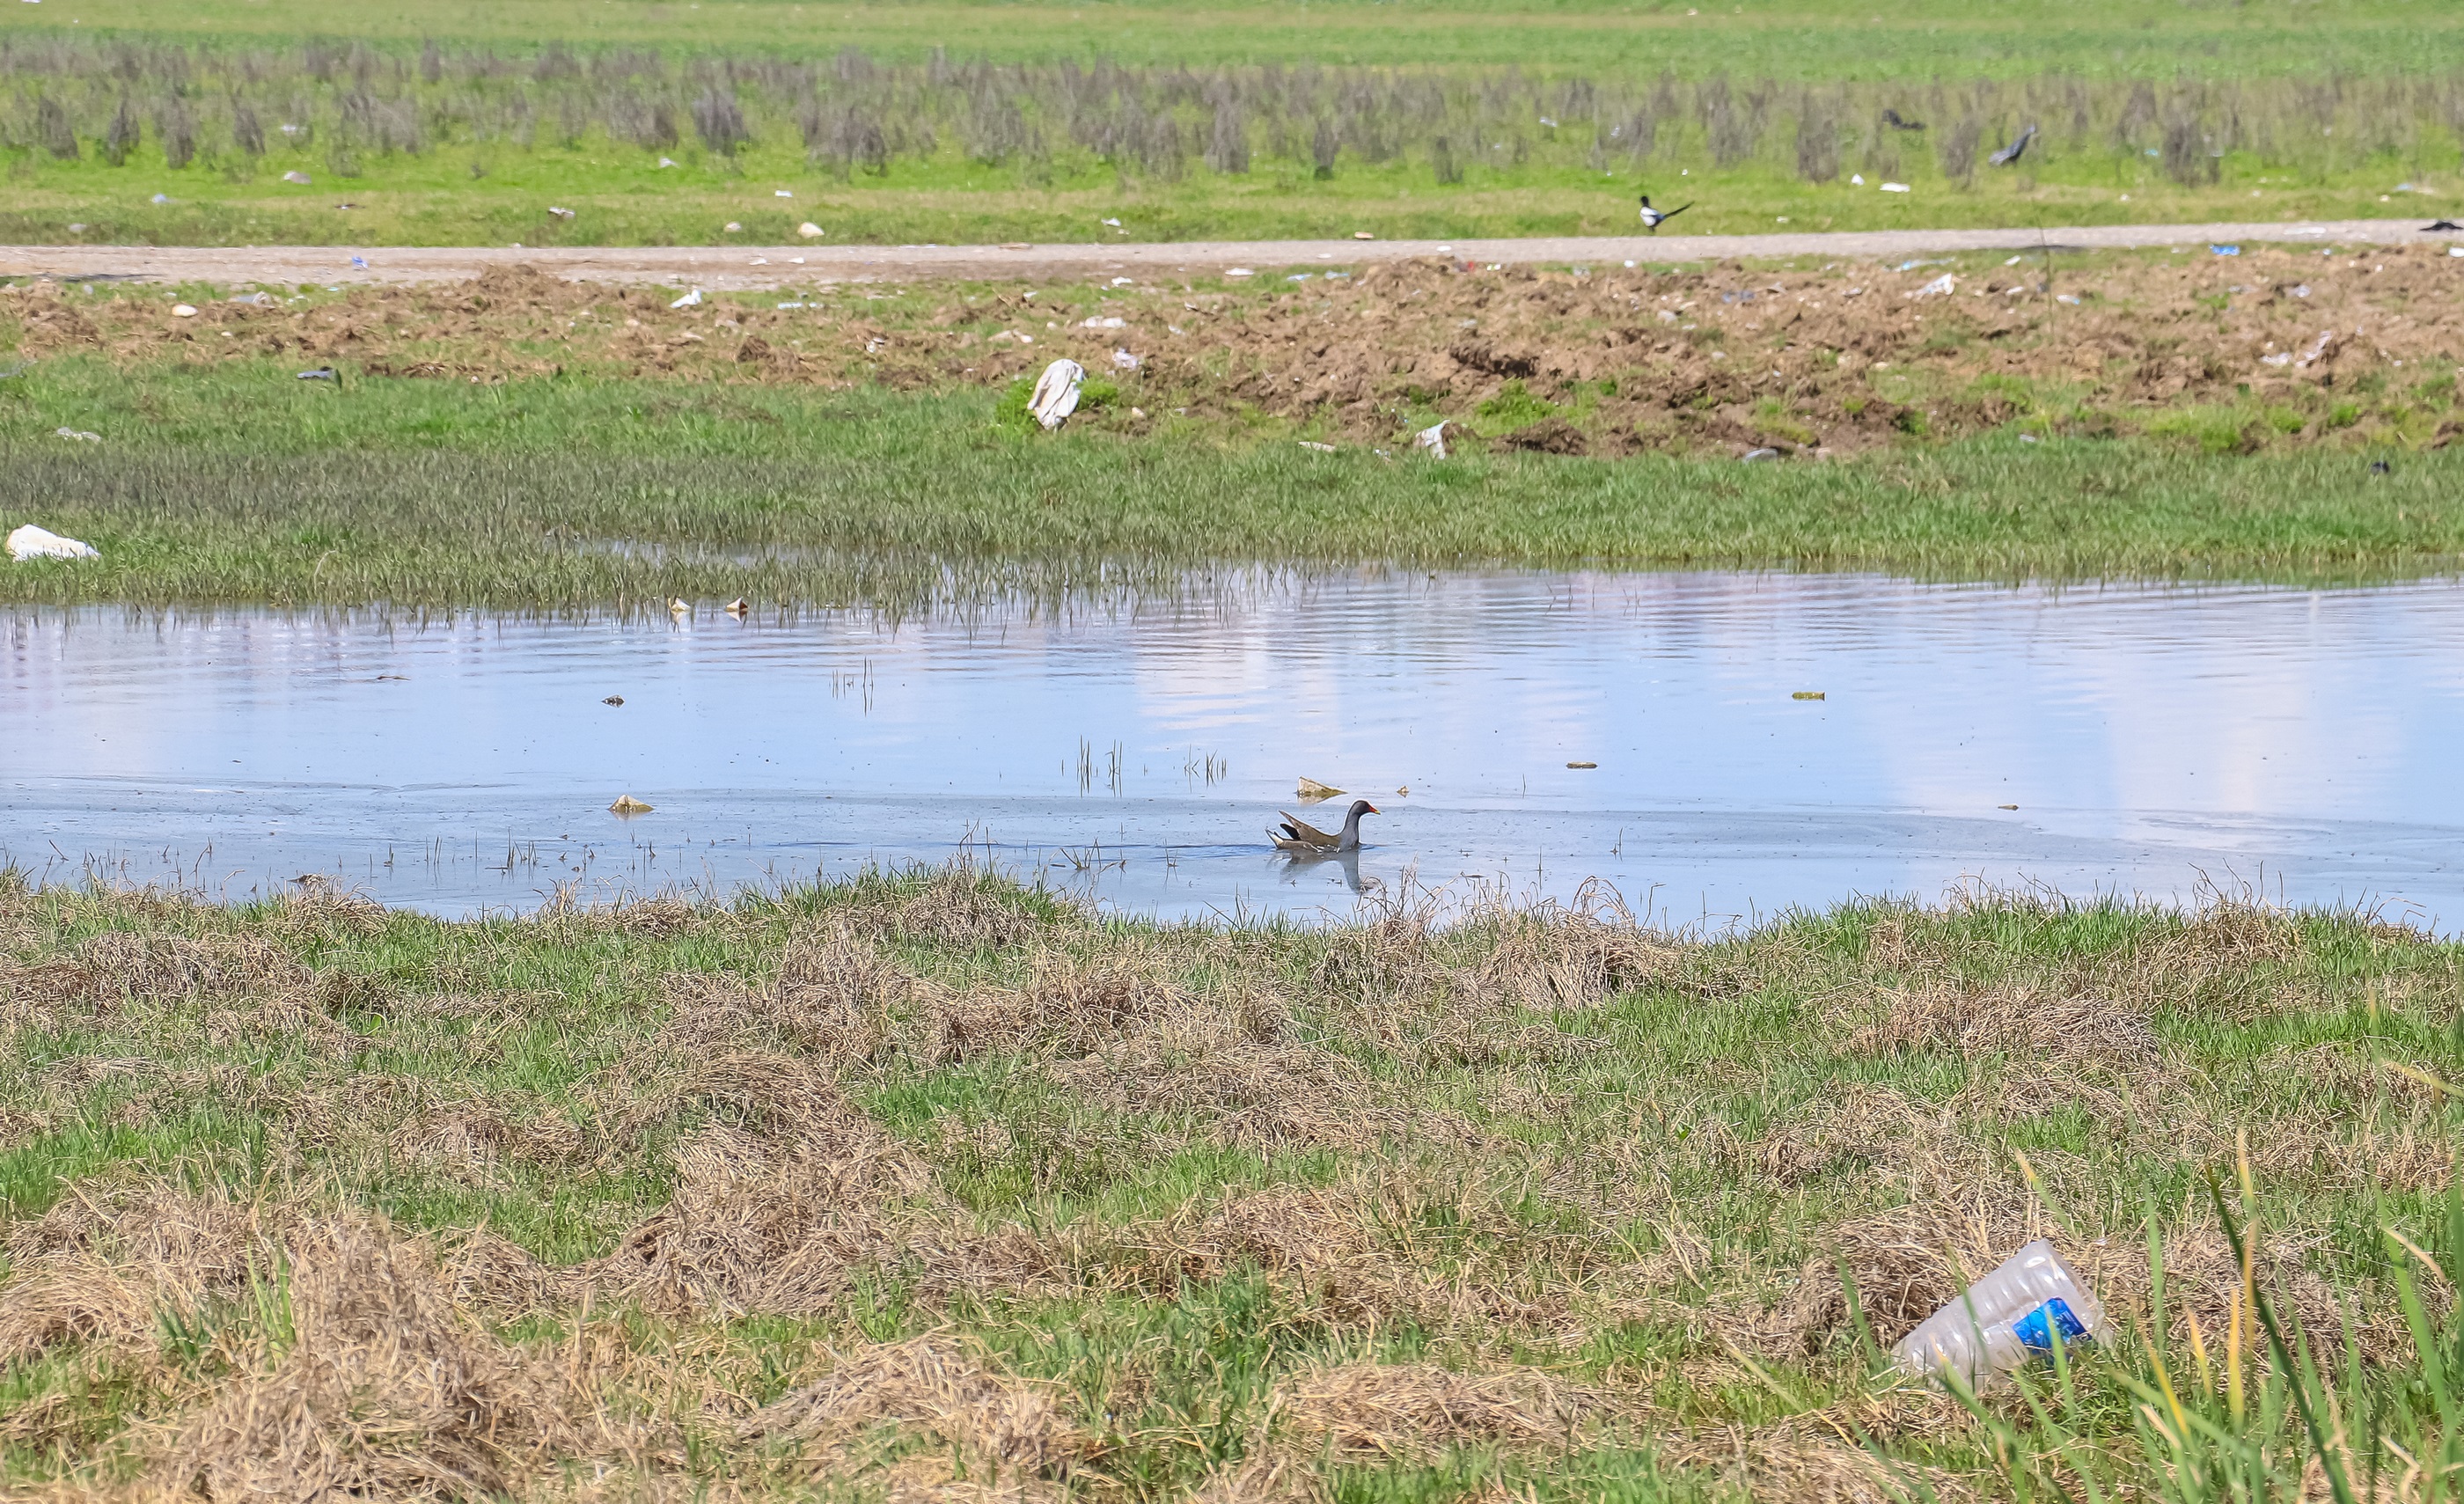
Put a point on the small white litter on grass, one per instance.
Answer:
(1056, 392)
(34, 542)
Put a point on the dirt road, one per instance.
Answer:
(747, 267)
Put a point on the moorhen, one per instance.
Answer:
(1297, 835)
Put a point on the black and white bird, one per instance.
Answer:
(2441, 227)
(2012, 152)
(1653, 218)
(1891, 118)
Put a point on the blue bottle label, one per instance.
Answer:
(2035, 1330)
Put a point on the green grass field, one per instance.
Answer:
(243, 484)
(464, 124)
(929, 1188)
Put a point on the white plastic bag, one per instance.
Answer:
(34, 542)
(1056, 392)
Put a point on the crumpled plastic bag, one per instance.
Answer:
(34, 542)
(1056, 392)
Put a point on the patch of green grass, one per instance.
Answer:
(240, 483)
(1173, 1182)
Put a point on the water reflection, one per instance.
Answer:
(2151, 740)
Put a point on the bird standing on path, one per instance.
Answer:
(2012, 152)
(1653, 219)
(1296, 834)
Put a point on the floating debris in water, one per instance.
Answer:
(1811, 695)
(1582, 764)
(1311, 790)
(627, 805)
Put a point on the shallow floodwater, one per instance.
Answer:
(2157, 742)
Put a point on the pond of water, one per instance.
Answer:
(2148, 742)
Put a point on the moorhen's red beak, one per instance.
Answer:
(1373, 809)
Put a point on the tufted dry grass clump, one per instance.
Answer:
(2018, 1021)
(936, 1385)
(1418, 1409)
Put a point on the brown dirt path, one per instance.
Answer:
(721, 268)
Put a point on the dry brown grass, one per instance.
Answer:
(2011, 1019)
(102, 1264)
(832, 997)
(938, 1384)
(384, 1390)
(1419, 1410)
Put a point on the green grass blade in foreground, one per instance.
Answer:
(557, 495)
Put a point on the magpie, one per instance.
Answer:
(1891, 118)
(2440, 226)
(2012, 152)
(1653, 219)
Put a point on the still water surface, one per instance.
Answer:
(2155, 741)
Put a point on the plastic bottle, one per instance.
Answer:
(2006, 1320)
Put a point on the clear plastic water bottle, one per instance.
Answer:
(2007, 1320)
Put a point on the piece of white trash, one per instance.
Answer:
(1895, 187)
(81, 435)
(809, 231)
(1940, 286)
(1123, 359)
(1432, 439)
(2006, 1320)
(296, 176)
(691, 300)
(34, 542)
(1056, 392)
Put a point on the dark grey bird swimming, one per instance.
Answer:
(2012, 152)
(1298, 835)
(1653, 218)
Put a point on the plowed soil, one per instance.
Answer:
(2266, 348)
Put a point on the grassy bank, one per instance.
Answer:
(618, 496)
(928, 1186)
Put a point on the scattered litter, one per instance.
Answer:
(561, 214)
(2441, 227)
(1240, 271)
(184, 310)
(359, 263)
(253, 299)
(795, 305)
(781, 193)
(691, 300)
(1753, 455)
(2070, 298)
(759, 260)
(1582, 764)
(1095, 322)
(295, 175)
(1121, 282)
(1362, 234)
(1056, 392)
(34, 542)
(2280, 357)
(627, 805)
(1313, 444)
(2455, 249)
(810, 231)
(2029, 438)
(2006, 1320)
(1432, 439)
(1123, 359)
(1855, 180)
(2299, 290)
(679, 607)
(736, 607)
(1895, 187)
(667, 161)
(320, 373)
(1910, 266)
(1298, 276)
(732, 227)
(1811, 695)
(1311, 790)
(161, 198)
(613, 699)
(1114, 223)
(80, 435)
(2224, 250)
(1939, 287)
(2014, 261)
(2320, 350)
